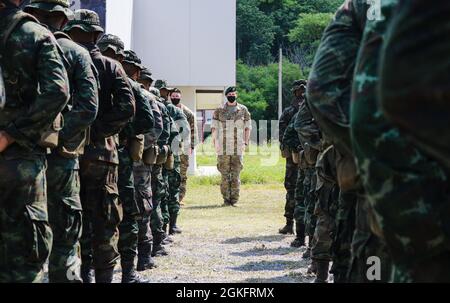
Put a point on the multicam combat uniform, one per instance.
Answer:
(230, 122)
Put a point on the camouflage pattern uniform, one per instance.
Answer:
(99, 165)
(329, 95)
(184, 158)
(144, 193)
(310, 139)
(291, 168)
(63, 180)
(31, 62)
(171, 205)
(406, 188)
(292, 142)
(230, 127)
(142, 124)
(159, 188)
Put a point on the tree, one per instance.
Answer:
(305, 38)
(255, 33)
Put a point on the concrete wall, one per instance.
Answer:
(187, 42)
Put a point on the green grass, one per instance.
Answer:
(262, 165)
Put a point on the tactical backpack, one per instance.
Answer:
(50, 138)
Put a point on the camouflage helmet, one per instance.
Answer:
(86, 20)
(155, 92)
(52, 6)
(112, 42)
(132, 58)
(230, 89)
(146, 74)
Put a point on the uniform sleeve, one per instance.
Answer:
(283, 124)
(144, 120)
(247, 120)
(158, 127)
(194, 130)
(215, 120)
(50, 101)
(84, 99)
(123, 109)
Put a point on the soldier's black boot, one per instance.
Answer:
(104, 276)
(129, 275)
(158, 249)
(173, 228)
(307, 253)
(145, 260)
(300, 232)
(87, 274)
(288, 229)
(322, 271)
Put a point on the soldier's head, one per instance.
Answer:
(146, 78)
(132, 65)
(53, 13)
(299, 88)
(112, 46)
(175, 96)
(155, 92)
(163, 89)
(84, 27)
(231, 94)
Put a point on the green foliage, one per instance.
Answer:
(309, 28)
(258, 87)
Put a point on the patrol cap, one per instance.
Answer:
(162, 84)
(146, 74)
(52, 6)
(86, 20)
(230, 89)
(112, 42)
(132, 58)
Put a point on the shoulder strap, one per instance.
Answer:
(17, 18)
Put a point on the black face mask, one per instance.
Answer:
(175, 101)
(231, 99)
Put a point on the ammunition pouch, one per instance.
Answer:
(311, 155)
(286, 153)
(150, 155)
(162, 155)
(347, 173)
(295, 157)
(170, 163)
(136, 148)
(50, 139)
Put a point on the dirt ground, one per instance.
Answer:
(221, 245)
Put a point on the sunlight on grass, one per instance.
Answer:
(262, 165)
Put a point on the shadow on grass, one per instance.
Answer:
(275, 265)
(280, 251)
(215, 206)
(238, 240)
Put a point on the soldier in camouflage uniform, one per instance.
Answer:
(143, 180)
(407, 189)
(189, 142)
(231, 129)
(171, 204)
(37, 90)
(63, 181)
(99, 164)
(159, 188)
(291, 167)
(292, 143)
(329, 95)
(310, 139)
(131, 140)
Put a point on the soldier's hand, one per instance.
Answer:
(5, 141)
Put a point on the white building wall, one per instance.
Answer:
(119, 19)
